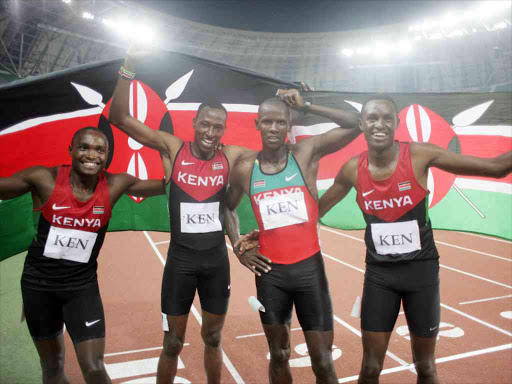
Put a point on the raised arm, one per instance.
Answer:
(120, 112)
(434, 156)
(333, 140)
(343, 183)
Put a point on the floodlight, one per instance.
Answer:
(88, 16)
(500, 25)
(347, 52)
(143, 34)
(108, 22)
(382, 49)
(66, 1)
(436, 36)
(363, 51)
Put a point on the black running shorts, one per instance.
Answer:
(415, 283)
(304, 284)
(187, 270)
(80, 310)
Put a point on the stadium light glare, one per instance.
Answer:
(109, 23)
(88, 16)
(404, 47)
(363, 51)
(144, 34)
(66, 1)
(347, 52)
(498, 26)
(382, 49)
(455, 33)
(417, 37)
(436, 36)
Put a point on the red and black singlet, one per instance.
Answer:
(196, 195)
(398, 227)
(63, 254)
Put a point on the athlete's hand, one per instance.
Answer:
(248, 241)
(306, 87)
(256, 262)
(292, 98)
(134, 53)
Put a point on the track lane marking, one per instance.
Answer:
(441, 265)
(482, 300)
(485, 237)
(225, 359)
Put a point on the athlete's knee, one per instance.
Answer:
(322, 363)
(172, 346)
(211, 338)
(371, 367)
(53, 366)
(426, 368)
(279, 354)
(94, 371)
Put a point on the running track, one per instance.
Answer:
(475, 344)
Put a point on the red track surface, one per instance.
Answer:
(475, 344)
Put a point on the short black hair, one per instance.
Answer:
(213, 104)
(380, 97)
(85, 129)
(275, 101)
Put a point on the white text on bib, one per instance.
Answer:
(402, 237)
(200, 217)
(69, 244)
(283, 210)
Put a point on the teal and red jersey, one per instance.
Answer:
(286, 212)
(196, 195)
(398, 227)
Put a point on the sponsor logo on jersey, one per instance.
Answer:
(76, 223)
(188, 178)
(98, 210)
(404, 186)
(279, 192)
(217, 166)
(376, 205)
(259, 183)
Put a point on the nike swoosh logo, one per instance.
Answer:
(87, 324)
(367, 193)
(289, 178)
(56, 208)
(185, 163)
(433, 328)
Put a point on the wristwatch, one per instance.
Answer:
(307, 106)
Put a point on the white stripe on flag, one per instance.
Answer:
(229, 107)
(48, 119)
(483, 185)
(324, 184)
(485, 130)
(310, 130)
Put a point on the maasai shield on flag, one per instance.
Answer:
(477, 124)
(39, 117)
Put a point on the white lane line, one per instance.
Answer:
(486, 237)
(477, 320)
(482, 300)
(439, 360)
(162, 242)
(137, 350)
(441, 265)
(263, 334)
(472, 250)
(342, 262)
(476, 276)
(388, 353)
(225, 359)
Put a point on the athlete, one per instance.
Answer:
(402, 262)
(197, 175)
(281, 183)
(59, 283)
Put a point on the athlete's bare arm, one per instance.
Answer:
(425, 155)
(239, 184)
(343, 183)
(121, 118)
(40, 181)
(120, 183)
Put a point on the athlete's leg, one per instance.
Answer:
(211, 331)
(375, 345)
(278, 338)
(174, 338)
(423, 353)
(90, 358)
(320, 349)
(51, 355)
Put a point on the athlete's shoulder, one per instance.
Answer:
(40, 172)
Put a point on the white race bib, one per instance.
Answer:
(283, 210)
(403, 237)
(69, 244)
(200, 217)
